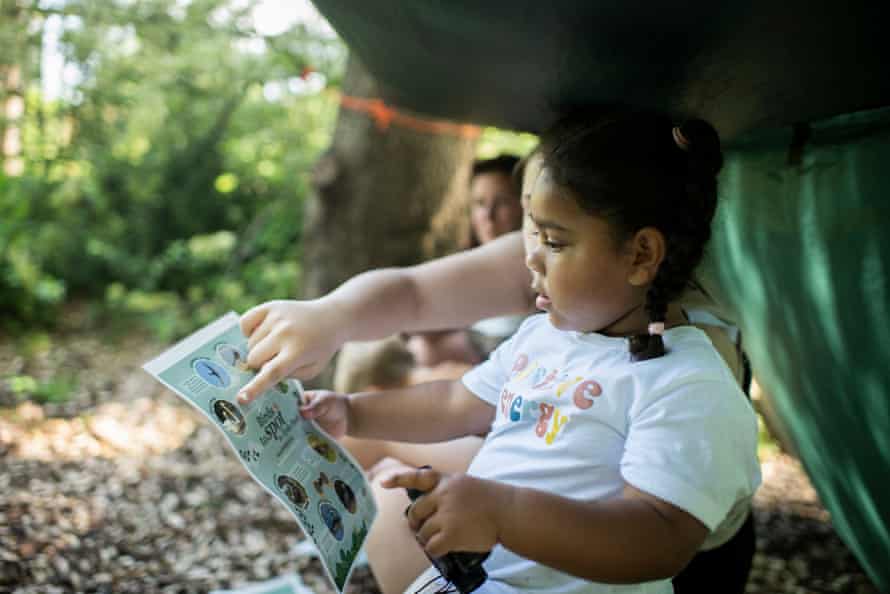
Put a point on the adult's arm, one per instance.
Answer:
(298, 338)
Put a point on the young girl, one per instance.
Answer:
(618, 441)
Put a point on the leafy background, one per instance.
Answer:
(168, 177)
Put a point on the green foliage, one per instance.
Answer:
(26, 288)
(495, 141)
(57, 390)
(169, 181)
(767, 446)
(347, 556)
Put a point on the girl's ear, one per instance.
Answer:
(648, 248)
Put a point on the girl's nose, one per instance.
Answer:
(533, 259)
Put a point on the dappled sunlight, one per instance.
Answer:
(140, 427)
(188, 520)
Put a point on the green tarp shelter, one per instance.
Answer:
(801, 256)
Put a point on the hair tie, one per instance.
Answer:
(656, 328)
(680, 139)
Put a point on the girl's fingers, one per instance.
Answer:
(310, 396)
(328, 410)
(436, 546)
(419, 513)
(422, 479)
(422, 508)
(316, 409)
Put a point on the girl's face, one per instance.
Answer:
(583, 279)
(494, 207)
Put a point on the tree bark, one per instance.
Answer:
(376, 192)
(12, 97)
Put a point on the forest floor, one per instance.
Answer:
(113, 484)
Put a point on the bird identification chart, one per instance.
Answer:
(291, 457)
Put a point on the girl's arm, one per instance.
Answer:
(425, 413)
(632, 538)
(298, 338)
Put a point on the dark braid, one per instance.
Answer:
(627, 168)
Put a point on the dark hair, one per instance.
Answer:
(500, 164)
(627, 167)
(519, 171)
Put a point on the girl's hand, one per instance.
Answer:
(289, 339)
(457, 512)
(329, 409)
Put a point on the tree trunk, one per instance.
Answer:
(378, 188)
(13, 35)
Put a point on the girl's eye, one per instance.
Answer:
(553, 246)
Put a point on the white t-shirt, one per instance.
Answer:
(500, 326)
(576, 417)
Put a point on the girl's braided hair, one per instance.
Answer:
(627, 167)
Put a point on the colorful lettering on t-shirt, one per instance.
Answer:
(530, 409)
(546, 381)
(520, 363)
(565, 384)
(538, 375)
(506, 397)
(585, 393)
(559, 421)
(516, 409)
(544, 419)
(548, 420)
(527, 370)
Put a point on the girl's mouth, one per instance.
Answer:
(542, 302)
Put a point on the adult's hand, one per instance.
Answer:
(289, 339)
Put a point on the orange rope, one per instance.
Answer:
(385, 115)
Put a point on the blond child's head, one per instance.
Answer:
(373, 365)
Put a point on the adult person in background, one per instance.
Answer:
(494, 210)
(298, 338)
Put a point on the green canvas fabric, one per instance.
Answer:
(517, 63)
(801, 258)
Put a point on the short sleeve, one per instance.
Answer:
(695, 447)
(488, 379)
